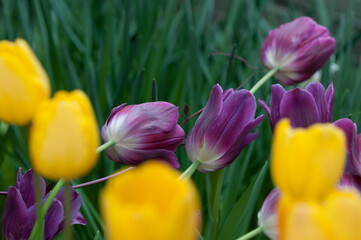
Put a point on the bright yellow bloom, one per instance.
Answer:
(23, 82)
(150, 202)
(64, 136)
(337, 218)
(307, 163)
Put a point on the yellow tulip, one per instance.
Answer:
(23, 82)
(64, 136)
(338, 217)
(307, 163)
(150, 202)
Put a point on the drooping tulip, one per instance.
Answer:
(19, 214)
(298, 48)
(268, 215)
(301, 107)
(150, 202)
(223, 128)
(144, 131)
(24, 83)
(64, 136)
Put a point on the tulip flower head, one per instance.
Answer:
(268, 215)
(307, 163)
(143, 132)
(19, 214)
(24, 83)
(64, 136)
(298, 48)
(353, 165)
(150, 202)
(350, 181)
(223, 128)
(302, 107)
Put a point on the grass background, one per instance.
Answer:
(169, 50)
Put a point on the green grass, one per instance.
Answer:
(121, 51)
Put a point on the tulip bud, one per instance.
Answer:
(143, 132)
(64, 136)
(223, 128)
(268, 215)
(307, 163)
(298, 48)
(19, 214)
(150, 202)
(24, 83)
(302, 107)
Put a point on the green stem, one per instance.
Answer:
(67, 198)
(190, 170)
(45, 208)
(251, 234)
(264, 79)
(105, 146)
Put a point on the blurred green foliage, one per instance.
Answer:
(171, 50)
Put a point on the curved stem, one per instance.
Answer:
(45, 208)
(105, 146)
(190, 170)
(251, 234)
(264, 79)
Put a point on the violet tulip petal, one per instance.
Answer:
(329, 95)
(210, 114)
(348, 181)
(26, 185)
(268, 215)
(79, 219)
(53, 219)
(114, 112)
(14, 216)
(318, 93)
(277, 92)
(237, 111)
(300, 107)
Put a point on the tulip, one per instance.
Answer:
(353, 165)
(222, 130)
(337, 217)
(150, 202)
(19, 214)
(302, 107)
(350, 181)
(24, 83)
(268, 215)
(307, 163)
(298, 49)
(142, 132)
(64, 136)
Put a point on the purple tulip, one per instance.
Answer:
(143, 132)
(302, 107)
(222, 130)
(19, 214)
(350, 181)
(299, 48)
(268, 215)
(353, 165)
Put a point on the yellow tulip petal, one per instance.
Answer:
(64, 136)
(307, 163)
(150, 202)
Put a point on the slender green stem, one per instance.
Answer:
(38, 205)
(251, 234)
(45, 208)
(105, 146)
(264, 79)
(189, 172)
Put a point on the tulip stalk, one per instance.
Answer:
(251, 234)
(190, 170)
(45, 208)
(106, 145)
(264, 79)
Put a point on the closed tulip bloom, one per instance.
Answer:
(64, 136)
(298, 48)
(302, 107)
(142, 132)
(223, 129)
(337, 217)
(353, 165)
(268, 215)
(24, 83)
(150, 202)
(307, 163)
(19, 214)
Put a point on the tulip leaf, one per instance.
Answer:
(238, 219)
